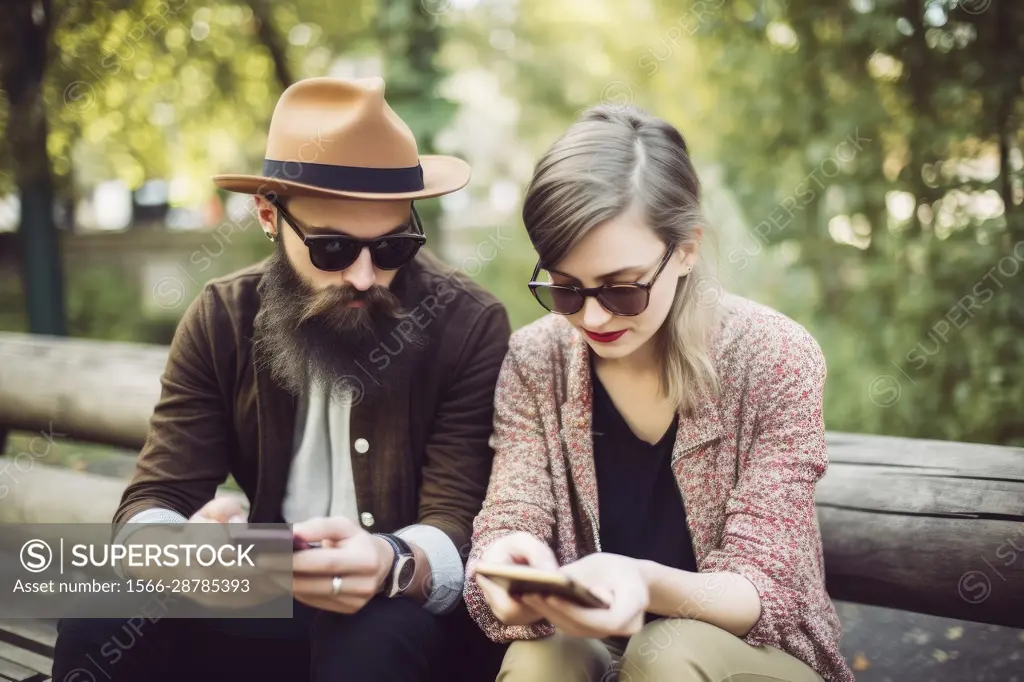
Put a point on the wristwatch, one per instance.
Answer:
(403, 568)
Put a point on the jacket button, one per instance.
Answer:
(367, 519)
(362, 445)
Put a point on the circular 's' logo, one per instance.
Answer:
(974, 587)
(36, 556)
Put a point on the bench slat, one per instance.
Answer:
(14, 672)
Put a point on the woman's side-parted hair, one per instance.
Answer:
(615, 159)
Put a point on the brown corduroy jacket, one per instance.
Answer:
(428, 459)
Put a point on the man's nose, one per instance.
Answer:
(361, 274)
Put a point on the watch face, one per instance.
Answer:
(406, 571)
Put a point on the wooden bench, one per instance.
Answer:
(925, 526)
(26, 650)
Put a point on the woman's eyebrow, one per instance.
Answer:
(608, 275)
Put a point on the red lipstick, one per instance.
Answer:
(607, 337)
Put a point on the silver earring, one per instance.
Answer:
(271, 237)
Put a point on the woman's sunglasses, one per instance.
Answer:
(626, 300)
(334, 252)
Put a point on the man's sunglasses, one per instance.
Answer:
(334, 252)
(626, 300)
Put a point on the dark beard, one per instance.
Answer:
(305, 336)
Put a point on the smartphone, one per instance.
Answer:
(518, 580)
(298, 544)
(269, 541)
(264, 541)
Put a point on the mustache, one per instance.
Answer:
(333, 306)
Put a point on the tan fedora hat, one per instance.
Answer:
(331, 137)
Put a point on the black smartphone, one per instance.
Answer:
(264, 541)
(272, 540)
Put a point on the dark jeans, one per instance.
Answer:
(388, 640)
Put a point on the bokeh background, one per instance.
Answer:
(861, 160)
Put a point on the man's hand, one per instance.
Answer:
(360, 559)
(223, 509)
(261, 584)
(515, 549)
(614, 578)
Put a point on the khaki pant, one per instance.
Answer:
(665, 650)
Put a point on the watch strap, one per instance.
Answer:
(400, 546)
(403, 553)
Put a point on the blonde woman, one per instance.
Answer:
(658, 447)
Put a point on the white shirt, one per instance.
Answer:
(321, 446)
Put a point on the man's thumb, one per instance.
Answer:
(336, 528)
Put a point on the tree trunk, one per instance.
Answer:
(24, 40)
(272, 39)
(409, 39)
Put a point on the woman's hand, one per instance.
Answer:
(614, 578)
(522, 549)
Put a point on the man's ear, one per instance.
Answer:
(267, 215)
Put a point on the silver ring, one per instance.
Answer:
(335, 585)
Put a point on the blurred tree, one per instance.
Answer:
(523, 70)
(25, 36)
(177, 90)
(272, 40)
(409, 39)
(874, 147)
(879, 144)
(51, 61)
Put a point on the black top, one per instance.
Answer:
(640, 507)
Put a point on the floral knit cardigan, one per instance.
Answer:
(746, 462)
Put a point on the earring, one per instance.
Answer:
(271, 237)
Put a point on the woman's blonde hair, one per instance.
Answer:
(616, 159)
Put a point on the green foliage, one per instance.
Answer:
(61, 452)
(182, 89)
(861, 160)
(12, 313)
(410, 38)
(179, 88)
(138, 89)
(875, 156)
(507, 273)
(912, 229)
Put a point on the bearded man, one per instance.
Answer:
(346, 384)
